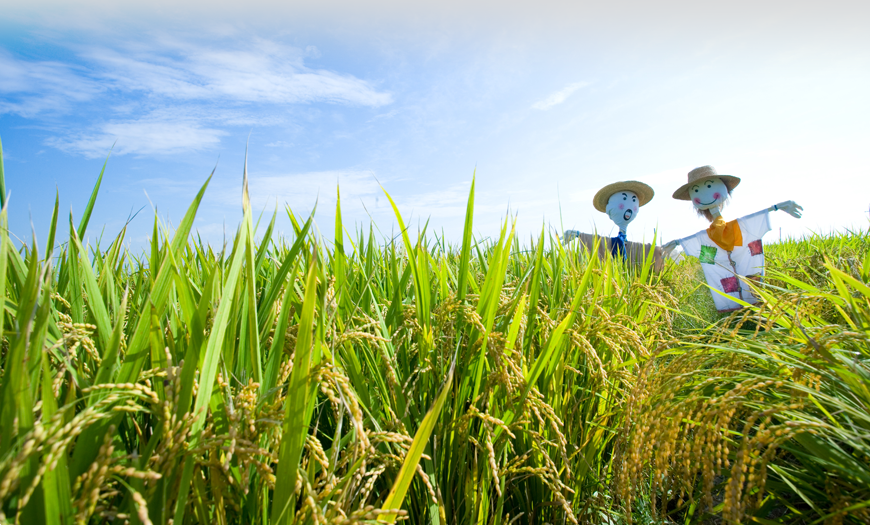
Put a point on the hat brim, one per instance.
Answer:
(730, 182)
(643, 191)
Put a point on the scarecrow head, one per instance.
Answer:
(707, 190)
(621, 201)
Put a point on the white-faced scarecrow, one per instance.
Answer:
(729, 252)
(621, 202)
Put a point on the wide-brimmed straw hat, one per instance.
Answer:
(702, 173)
(643, 191)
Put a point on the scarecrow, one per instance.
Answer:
(730, 252)
(621, 202)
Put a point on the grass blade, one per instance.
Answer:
(412, 459)
(52, 229)
(465, 254)
(295, 426)
(2, 179)
(83, 224)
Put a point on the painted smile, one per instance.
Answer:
(707, 203)
(627, 214)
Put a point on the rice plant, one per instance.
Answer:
(764, 416)
(358, 379)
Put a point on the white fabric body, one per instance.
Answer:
(722, 268)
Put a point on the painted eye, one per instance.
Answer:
(709, 186)
(696, 191)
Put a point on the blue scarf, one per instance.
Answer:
(617, 244)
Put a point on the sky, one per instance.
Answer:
(544, 102)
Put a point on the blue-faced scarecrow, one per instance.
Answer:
(621, 202)
(729, 252)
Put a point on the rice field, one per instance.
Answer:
(357, 379)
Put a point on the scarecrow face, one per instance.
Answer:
(622, 208)
(708, 193)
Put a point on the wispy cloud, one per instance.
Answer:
(152, 135)
(264, 72)
(29, 88)
(301, 190)
(559, 96)
(361, 194)
(169, 96)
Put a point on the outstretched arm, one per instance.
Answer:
(569, 236)
(669, 247)
(791, 207)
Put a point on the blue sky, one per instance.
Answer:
(548, 101)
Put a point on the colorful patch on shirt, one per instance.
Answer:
(730, 284)
(755, 247)
(708, 254)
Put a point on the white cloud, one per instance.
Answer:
(312, 51)
(302, 189)
(559, 96)
(261, 72)
(166, 96)
(152, 135)
(30, 88)
(264, 72)
(361, 194)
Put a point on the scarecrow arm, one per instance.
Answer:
(690, 246)
(569, 236)
(791, 207)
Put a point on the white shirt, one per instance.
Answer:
(722, 268)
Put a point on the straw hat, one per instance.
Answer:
(643, 192)
(702, 173)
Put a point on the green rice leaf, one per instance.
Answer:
(412, 458)
(52, 229)
(86, 217)
(276, 352)
(210, 361)
(95, 298)
(465, 253)
(296, 410)
(2, 179)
